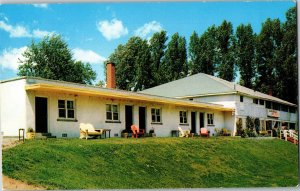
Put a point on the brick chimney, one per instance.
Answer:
(110, 75)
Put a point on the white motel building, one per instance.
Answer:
(201, 100)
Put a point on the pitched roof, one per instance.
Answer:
(203, 85)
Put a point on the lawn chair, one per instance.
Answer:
(88, 129)
(183, 133)
(137, 132)
(204, 132)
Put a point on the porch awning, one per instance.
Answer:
(119, 95)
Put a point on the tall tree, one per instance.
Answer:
(287, 83)
(244, 52)
(194, 54)
(132, 63)
(52, 59)
(175, 61)
(157, 49)
(143, 74)
(268, 46)
(225, 51)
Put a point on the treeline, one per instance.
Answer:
(266, 62)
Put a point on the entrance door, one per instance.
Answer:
(128, 117)
(142, 118)
(193, 122)
(201, 120)
(41, 115)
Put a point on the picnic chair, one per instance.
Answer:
(183, 133)
(88, 129)
(204, 132)
(136, 131)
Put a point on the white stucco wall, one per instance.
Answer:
(93, 110)
(13, 107)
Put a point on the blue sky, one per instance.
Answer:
(94, 30)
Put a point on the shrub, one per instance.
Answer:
(239, 127)
(30, 130)
(250, 127)
(217, 132)
(256, 124)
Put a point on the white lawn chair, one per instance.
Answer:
(88, 129)
(183, 133)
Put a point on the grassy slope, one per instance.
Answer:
(153, 163)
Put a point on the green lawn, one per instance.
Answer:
(153, 163)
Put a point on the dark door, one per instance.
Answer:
(201, 120)
(41, 115)
(142, 118)
(128, 117)
(193, 122)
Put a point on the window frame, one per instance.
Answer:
(66, 109)
(156, 116)
(261, 102)
(268, 105)
(241, 99)
(112, 112)
(255, 101)
(210, 119)
(183, 119)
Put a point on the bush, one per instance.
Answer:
(251, 127)
(256, 124)
(217, 132)
(239, 127)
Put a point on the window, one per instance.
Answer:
(261, 102)
(268, 105)
(183, 117)
(241, 98)
(255, 101)
(156, 115)
(284, 108)
(66, 109)
(210, 119)
(112, 112)
(276, 106)
(292, 125)
(292, 109)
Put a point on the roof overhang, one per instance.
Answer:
(120, 95)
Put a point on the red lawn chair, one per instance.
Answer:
(204, 132)
(136, 132)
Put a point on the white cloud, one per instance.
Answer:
(10, 58)
(41, 5)
(148, 28)
(40, 34)
(14, 31)
(113, 29)
(20, 31)
(87, 56)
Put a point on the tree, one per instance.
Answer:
(143, 75)
(52, 59)
(123, 73)
(175, 61)
(287, 83)
(267, 59)
(244, 52)
(208, 51)
(194, 54)
(225, 51)
(157, 49)
(100, 83)
(132, 65)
